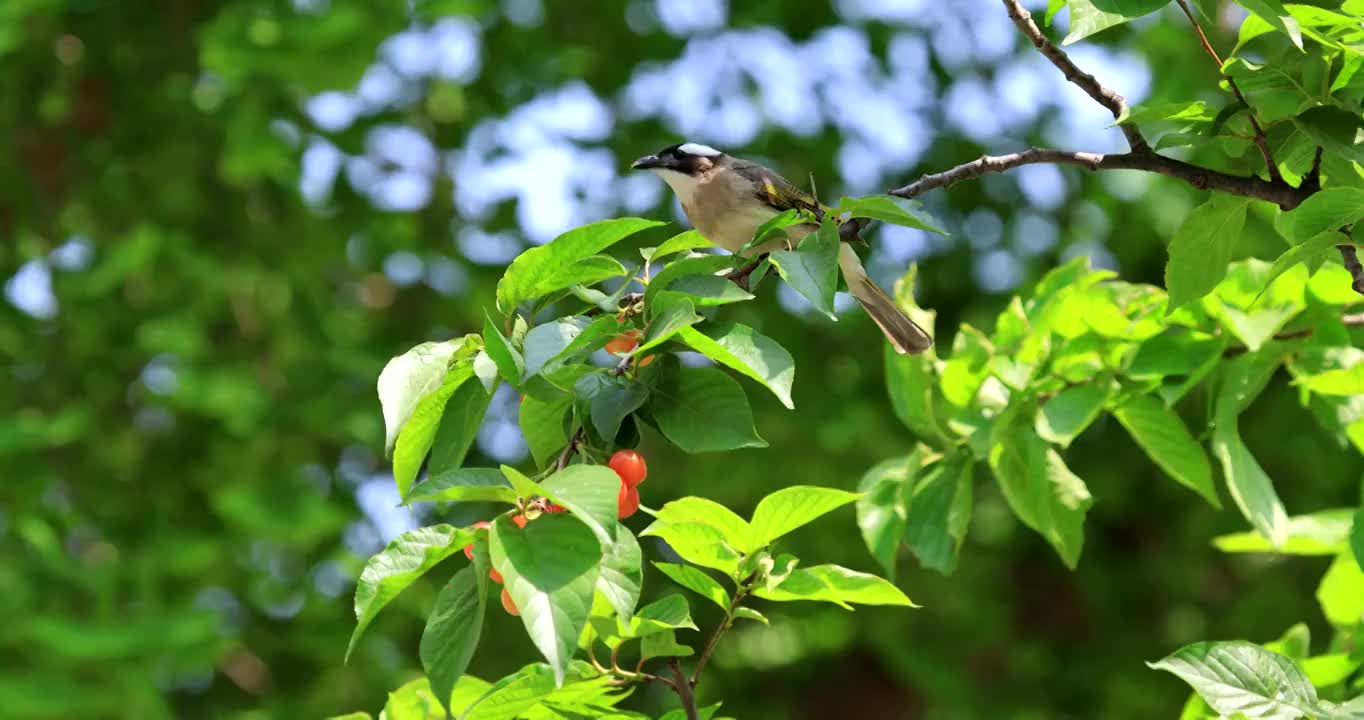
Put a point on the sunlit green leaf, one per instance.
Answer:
(395, 567)
(550, 569)
(408, 378)
(1167, 441)
(890, 210)
(464, 485)
(1042, 491)
(1320, 533)
(1241, 677)
(838, 585)
(742, 348)
(696, 581)
(791, 508)
(1202, 247)
(812, 269)
(554, 266)
(452, 630)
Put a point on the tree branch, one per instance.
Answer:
(1279, 193)
(1139, 157)
(1058, 57)
(1351, 260)
(1260, 140)
(684, 691)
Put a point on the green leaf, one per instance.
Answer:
(697, 543)
(542, 425)
(1188, 111)
(735, 530)
(1042, 491)
(1357, 537)
(708, 290)
(1341, 592)
(911, 383)
(881, 511)
(812, 269)
(774, 228)
(1278, 91)
(1167, 441)
(589, 339)
(748, 613)
(1273, 12)
(416, 701)
(696, 581)
(609, 399)
(486, 371)
(681, 242)
(555, 265)
(622, 573)
(706, 265)
(1250, 487)
(662, 644)
(459, 425)
(670, 612)
(452, 630)
(511, 696)
(744, 349)
(1053, 7)
(1319, 533)
(550, 569)
(1202, 248)
(464, 485)
(1066, 415)
(791, 508)
(885, 208)
(1091, 16)
(669, 312)
(1325, 211)
(939, 512)
(704, 410)
(1307, 251)
(549, 341)
(1344, 381)
(1244, 678)
(509, 363)
(408, 378)
(1335, 130)
(398, 565)
(837, 585)
(419, 432)
(590, 492)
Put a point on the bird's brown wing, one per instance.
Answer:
(775, 190)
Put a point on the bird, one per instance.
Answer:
(727, 198)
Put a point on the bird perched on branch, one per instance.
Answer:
(727, 199)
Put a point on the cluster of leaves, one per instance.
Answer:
(1081, 345)
(576, 576)
(1284, 678)
(1295, 86)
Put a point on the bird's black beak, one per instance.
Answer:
(647, 162)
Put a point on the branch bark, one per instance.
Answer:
(684, 690)
(1139, 157)
(1104, 96)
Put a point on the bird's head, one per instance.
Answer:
(690, 159)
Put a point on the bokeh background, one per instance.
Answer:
(219, 219)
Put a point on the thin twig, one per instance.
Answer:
(569, 449)
(1355, 320)
(1351, 260)
(1281, 194)
(684, 691)
(739, 594)
(1058, 57)
(1260, 140)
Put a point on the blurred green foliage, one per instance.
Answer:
(184, 434)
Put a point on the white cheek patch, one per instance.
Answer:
(699, 149)
(683, 184)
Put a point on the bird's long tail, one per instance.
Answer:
(903, 334)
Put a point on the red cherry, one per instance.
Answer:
(469, 549)
(553, 508)
(624, 343)
(645, 362)
(507, 603)
(520, 520)
(495, 575)
(630, 466)
(627, 501)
